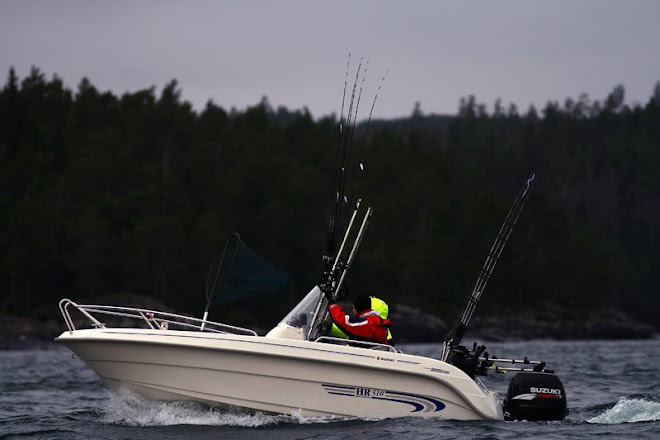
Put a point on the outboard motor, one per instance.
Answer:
(535, 396)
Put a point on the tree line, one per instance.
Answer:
(133, 193)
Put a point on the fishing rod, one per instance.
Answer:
(456, 335)
(502, 370)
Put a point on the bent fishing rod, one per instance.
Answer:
(456, 335)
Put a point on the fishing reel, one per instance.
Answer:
(328, 285)
(469, 360)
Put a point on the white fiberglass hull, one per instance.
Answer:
(280, 375)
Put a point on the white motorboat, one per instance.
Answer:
(277, 373)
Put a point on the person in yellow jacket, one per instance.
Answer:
(377, 305)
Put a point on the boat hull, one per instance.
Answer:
(280, 375)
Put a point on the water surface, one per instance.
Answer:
(612, 387)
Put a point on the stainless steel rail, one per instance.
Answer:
(153, 318)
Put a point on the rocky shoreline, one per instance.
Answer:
(548, 322)
(411, 325)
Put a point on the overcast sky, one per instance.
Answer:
(296, 52)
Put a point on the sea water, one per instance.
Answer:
(612, 388)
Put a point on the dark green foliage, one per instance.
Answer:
(133, 193)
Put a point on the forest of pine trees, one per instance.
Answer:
(133, 193)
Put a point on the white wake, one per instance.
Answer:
(131, 409)
(629, 411)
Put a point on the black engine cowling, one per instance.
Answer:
(535, 396)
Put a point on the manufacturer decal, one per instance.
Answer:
(536, 390)
(419, 404)
(368, 392)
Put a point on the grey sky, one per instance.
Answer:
(295, 52)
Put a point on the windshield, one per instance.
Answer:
(302, 314)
